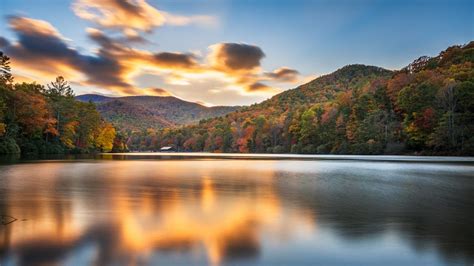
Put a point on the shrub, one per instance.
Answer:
(8, 146)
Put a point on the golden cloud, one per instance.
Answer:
(158, 92)
(178, 60)
(127, 16)
(283, 74)
(242, 64)
(259, 87)
(132, 17)
(31, 26)
(41, 51)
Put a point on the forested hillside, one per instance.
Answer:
(138, 113)
(36, 120)
(425, 108)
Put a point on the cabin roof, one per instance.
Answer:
(166, 148)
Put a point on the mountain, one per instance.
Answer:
(142, 112)
(95, 98)
(424, 108)
(325, 88)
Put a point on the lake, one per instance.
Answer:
(201, 209)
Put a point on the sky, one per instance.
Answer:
(219, 52)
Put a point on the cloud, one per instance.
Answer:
(30, 26)
(103, 41)
(175, 59)
(283, 74)
(42, 48)
(158, 92)
(40, 37)
(242, 63)
(236, 57)
(129, 17)
(163, 60)
(259, 87)
(40, 52)
(44, 51)
(179, 20)
(132, 17)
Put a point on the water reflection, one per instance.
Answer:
(217, 212)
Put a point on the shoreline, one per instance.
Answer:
(239, 156)
(381, 158)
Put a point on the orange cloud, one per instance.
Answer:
(31, 26)
(242, 63)
(41, 49)
(175, 59)
(158, 92)
(259, 87)
(41, 52)
(127, 16)
(132, 17)
(283, 74)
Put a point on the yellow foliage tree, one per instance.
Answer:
(2, 129)
(105, 138)
(68, 135)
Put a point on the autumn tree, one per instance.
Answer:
(5, 80)
(31, 110)
(89, 121)
(61, 98)
(3, 126)
(59, 88)
(417, 102)
(104, 140)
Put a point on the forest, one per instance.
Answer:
(426, 108)
(36, 119)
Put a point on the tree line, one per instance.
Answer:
(35, 119)
(425, 108)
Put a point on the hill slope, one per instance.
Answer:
(427, 107)
(142, 112)
(327, 87)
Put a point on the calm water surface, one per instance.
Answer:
(200, 210)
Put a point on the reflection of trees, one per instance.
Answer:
(133, 209)
(134, 215)
(429, 208)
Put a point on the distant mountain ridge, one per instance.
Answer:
(142, 112)
(138, 113)
(95, 98)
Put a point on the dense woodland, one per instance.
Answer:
(137, 113)
(35, 119)
(426, 108)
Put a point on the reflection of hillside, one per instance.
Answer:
(216, 211)
(423, 203)
(129, 213)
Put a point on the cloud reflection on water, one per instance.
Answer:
(136, 212)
